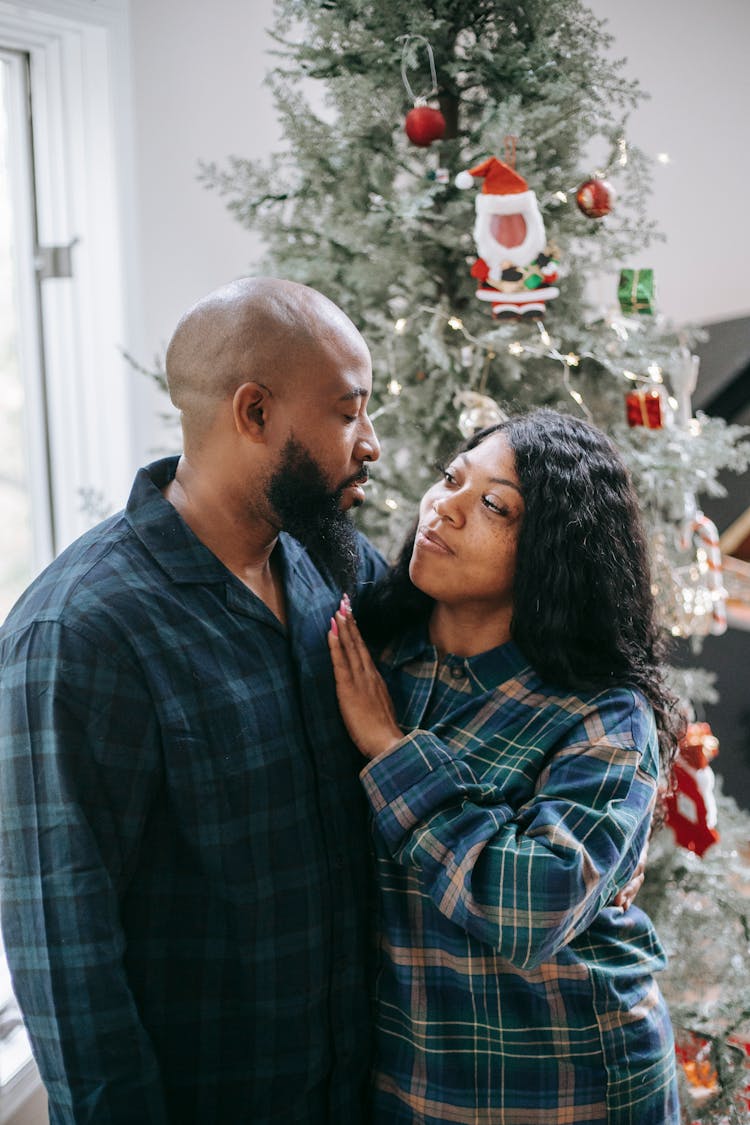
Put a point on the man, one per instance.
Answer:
(184, 850)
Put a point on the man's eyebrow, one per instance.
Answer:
(358, 392)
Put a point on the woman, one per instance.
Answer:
(514, 747)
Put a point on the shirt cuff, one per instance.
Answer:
(402, 767)
(414, 779)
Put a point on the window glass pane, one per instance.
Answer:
(17, 559)
(17, 553)
(15, 1051)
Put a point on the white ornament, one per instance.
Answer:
(479, 411)
(684, 377)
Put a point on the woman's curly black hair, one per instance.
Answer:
(583, 610)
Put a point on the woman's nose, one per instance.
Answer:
(447, 508)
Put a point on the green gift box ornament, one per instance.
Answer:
(636, 291)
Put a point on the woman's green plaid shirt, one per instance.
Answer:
(509, 992)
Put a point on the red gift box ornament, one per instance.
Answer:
(647, 406)
(691, 806)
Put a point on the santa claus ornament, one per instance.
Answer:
(515, 268)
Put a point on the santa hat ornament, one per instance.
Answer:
(515, 267)
(498, 178)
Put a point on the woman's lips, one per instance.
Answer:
(432, 541)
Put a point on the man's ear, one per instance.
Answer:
(250, 407)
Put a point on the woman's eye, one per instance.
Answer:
(448, 476)
(494, 505)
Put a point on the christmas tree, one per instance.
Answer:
(373, 217)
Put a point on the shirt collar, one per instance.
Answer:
(487, 669)
(165, 535)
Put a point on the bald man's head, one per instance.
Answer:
(252, 330)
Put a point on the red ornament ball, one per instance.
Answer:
(424, 125)
(595, 198)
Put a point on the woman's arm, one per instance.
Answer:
(527, 880)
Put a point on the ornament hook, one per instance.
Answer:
(407, 39)
(510, 150)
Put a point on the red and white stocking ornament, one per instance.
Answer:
(424, 124)
(691, 806)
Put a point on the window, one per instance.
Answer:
(64, 257)
(25, 509)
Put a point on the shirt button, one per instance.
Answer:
(457, 671)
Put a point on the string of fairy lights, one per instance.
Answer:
(545, 346)
(695, 590)
(698, 596)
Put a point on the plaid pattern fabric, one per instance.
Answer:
(184, 836)
(508, 992)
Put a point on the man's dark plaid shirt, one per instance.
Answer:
(184, 846)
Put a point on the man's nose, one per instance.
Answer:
(368, 446)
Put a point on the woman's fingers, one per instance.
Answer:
(339, 656)
(351, 641)
(365, 704)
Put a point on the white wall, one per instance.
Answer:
(198, 71)
(197, 77)
(691, 57)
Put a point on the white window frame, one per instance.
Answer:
(28, 339)
(80, 93)
(79, 75)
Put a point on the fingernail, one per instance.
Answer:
(334, 627)
(345, 607)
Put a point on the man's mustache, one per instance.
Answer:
(361, 477)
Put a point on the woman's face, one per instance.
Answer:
(465, 549)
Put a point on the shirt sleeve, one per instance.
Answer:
(79, 765)
(526, 880)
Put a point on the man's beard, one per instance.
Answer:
(301, 498)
